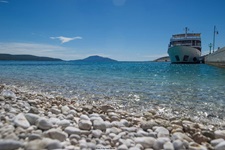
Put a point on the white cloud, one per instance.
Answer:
(4, 2)
(66, 39)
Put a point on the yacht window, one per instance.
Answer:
(177, 58)
(185, 58)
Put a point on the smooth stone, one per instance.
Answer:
(56, 134)
(32, 102)
(158, 145)
(74, 141)
(34, 137)
(91, 145)
(85, 124)
(2, 98)
(130, 129)
(129, 143)
(7, 129)
(219, 134)
(44, 143)
(208, 134)
(168, 146)
(65, 109)
(44, 124)
(125, 122)
(64, 123)
(94, 115)
(216, 141)
(146, 142)
(54, 120)
(113, 130)
(69, 117)
(33, 110)
(55, 111)
(10, 144)
(83, 144)
(220, 146)
(96, 133)
(115, 118)
(75, 136)
(32, 118)
(196, 146)
(11, 136)
(199, 138)
(180, 136)
(84, 117)
(162, 132)
(96, 118)
(178, 144)
(135, 148)
(105, 108)
(72, 130)
(141, 133)
(72, 112)
(99, 124)
(148, 125)
(8, 94)
(122, 147)
(110, 114)
(21, 121)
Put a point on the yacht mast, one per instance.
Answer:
(214, 33)
(186, 30)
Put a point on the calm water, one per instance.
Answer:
(184, 90)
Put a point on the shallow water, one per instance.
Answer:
(195, 91)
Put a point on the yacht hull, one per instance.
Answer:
(184, 54)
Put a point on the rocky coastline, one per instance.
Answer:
(35, 121)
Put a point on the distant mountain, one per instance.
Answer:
(163, 59)
(26, 58)
(97, 59)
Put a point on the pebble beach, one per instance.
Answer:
(36, 121)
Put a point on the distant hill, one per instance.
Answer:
(97, 59)
(26, 58)
(163, 59)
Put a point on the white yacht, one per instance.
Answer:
(185, 48)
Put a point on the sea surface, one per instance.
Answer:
(195, 91)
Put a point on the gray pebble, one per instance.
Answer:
(55, 111)
(56, 134)
(64, 123)
(178, 144)
(10, 144)
(216, 141)
(21, 121)
(146, 142)
(99, 124)
(220, 146)
(219, 134)
(44, 124)
(32, 118)
(85, 124)
(168, 146)
(65, 110)
(96, 133)
(72, 130)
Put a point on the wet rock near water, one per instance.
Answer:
(30, 120)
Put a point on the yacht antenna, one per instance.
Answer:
(186, 30)
(214, 37)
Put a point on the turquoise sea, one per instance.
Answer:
(196, 91)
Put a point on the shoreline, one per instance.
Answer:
(33, 120)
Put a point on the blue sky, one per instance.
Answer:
(127, 30)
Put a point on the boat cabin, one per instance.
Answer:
(188, 39)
